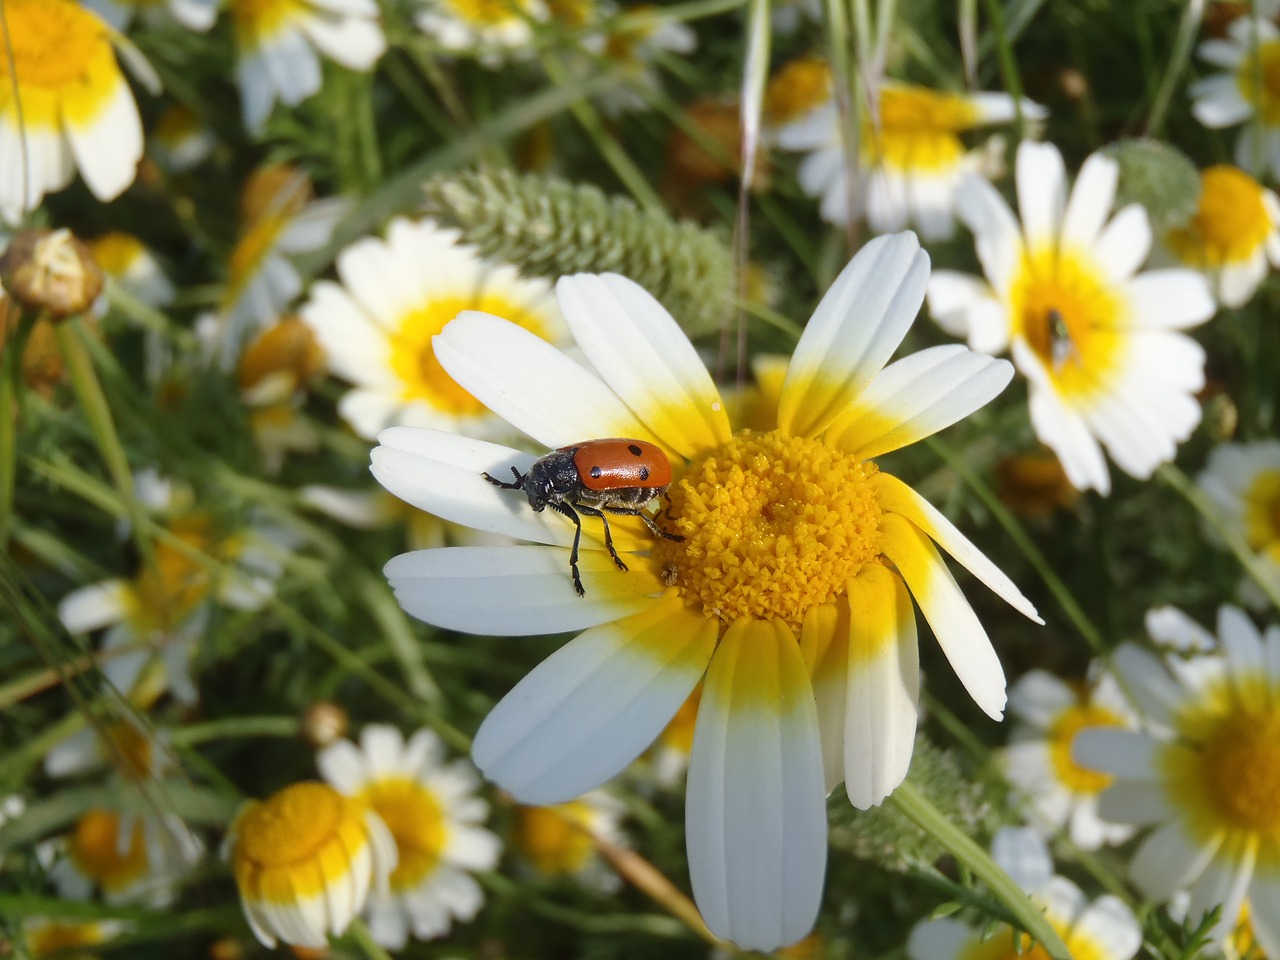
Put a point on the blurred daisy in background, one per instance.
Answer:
(395, 295)
(76, 108)
(799, 87)
(800, 692)
(278, 40)
(129, 859)
(305, 860)
(632, 41)
(1243, 481)
(180, 140)
(1097, 341)
(1101, 929)
(1205, 777)
(279, 217)
(1234, 237)
(66, 937)
(1247, 91)
(560, 840)
(435, 818)
(1038, 761)
(909, 158)
(1034, 485)
(131, 748)
(192, 14)
(486, 29)
(127, 261)
(276, 370)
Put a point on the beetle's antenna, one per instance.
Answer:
(12, 60)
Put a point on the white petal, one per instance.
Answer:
(644, 356)
(1041, 180)
(1090, 202)
(1063, 431)
(756, 822)
(1124, 244)
(996, 232)
(1171, 299)
(108, 146)
(1168, 861)
(853, 332)
(941, 939)
(1039, 698)
(1125, 753)
(1173, 628)
(1022, 853)
(94, 606)
(516, 590)
(1134, 802)
(590, 708)
(1223, 884)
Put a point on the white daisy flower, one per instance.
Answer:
(305, 861)
(180, 140)
(126, 260)
(1097, 341)
(1102, 929)
(1234, 237)
(49, 937)
(128, 746)
(280, 219)
(436, 820)
(1039, 763)
(395, 295)
(130, 859)
(1243, 481)
(192, 14)
(559, 840)
(162, 609)
(806, 635)
(1206, 777)
(1247, 90)
(76, 109)
(631, 52)
(910, 158)
(486, 29)
(275, 372)
(277, 42)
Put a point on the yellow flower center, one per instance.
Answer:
(53, 44)
(773, 526)
(917, 130)
(796, 89)
(1230, 225)
(95, 850)
(164, 595)
(1240, 764)
(1062, 735)
(416, 821)
(291, 826)
(1069, 314)
(255, 19)
(556, 840)
(1258, 77)
(116, 252)
(49, 938)
(1262, 510)
(286, 352)
(572, 13)
(1005, 944)
(414, 361)
(131, 750)
(487, 13)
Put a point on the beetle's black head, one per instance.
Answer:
(553, 479)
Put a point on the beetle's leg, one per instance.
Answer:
(608, 534)
(648, 521)
(518, 485)
(569, 512)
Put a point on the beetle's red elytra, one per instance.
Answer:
(618, 475)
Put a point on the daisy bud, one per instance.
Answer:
(226, 948)
(323, 723)
(690, 164)
(281, 360)
(1034, 484)
(42, 366)
(51, 272)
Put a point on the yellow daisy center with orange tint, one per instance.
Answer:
(416, 821)
(95, 849)
(1005, 944)
(116, 252)
(772, 527)
(286, 354)
(258, 18)
(414, 361)
(1241, 766)
(131, 750)
(163, 595)
(487, 13)
(556, 840)
(796, 89)
(1262, 510)
(1062, 735)
(49, 938)
(1069, 313)
(917, 130)
(1231, 223)
(1258, 78)
(56, 46)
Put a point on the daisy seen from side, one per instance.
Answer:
(1248, 89)
(436, 820)
(192, 14)
(1243, 481)
(1234, 236)
(1101, 929)
(490, 30)
(1038, 761)
(560, 840)
(633, 49)
(910, 158)
(1098, 341)
(780, 591)
(127, 261)
(1205, 776)
(59, 937)
(395, 295)
(305, 861)
(75, 109)
(279, 42)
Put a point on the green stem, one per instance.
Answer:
(916, 807)
(1008, 66)
(1188, 29)
(9, 373)
(235, 728)
(364, 940)
(1263, 575)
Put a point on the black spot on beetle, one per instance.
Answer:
(644, 473)
(596, 471)
(635, 451)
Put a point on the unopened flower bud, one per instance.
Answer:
(281, 360)
(51, 272)
(323, 723)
